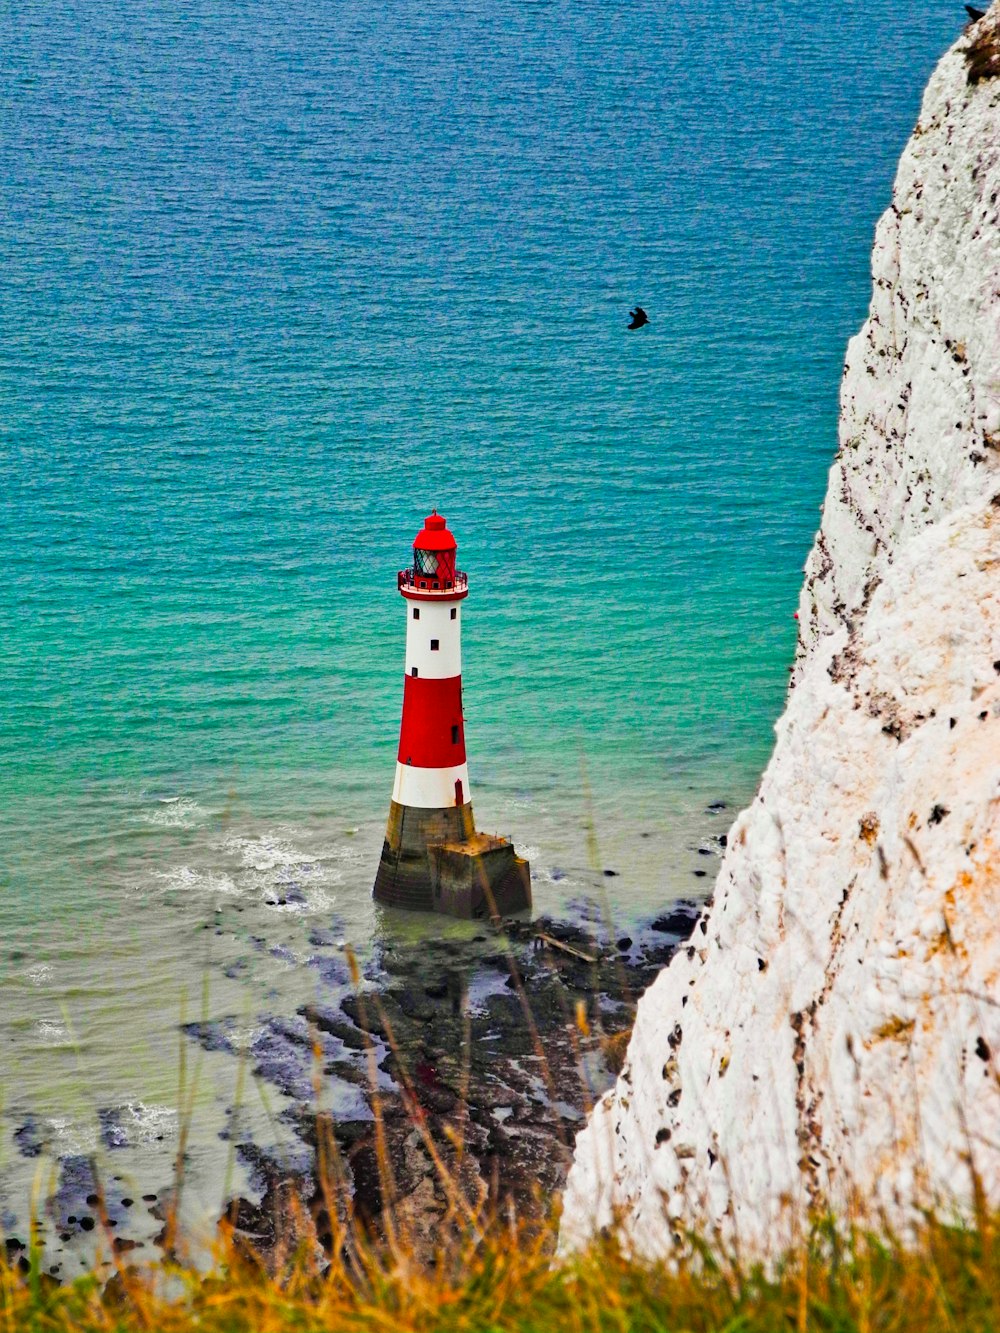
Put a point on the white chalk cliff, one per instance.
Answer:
(833, 1030)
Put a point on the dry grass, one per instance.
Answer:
(499, 1279)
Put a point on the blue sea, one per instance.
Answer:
(275, 281)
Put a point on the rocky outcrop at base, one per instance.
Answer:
(473, 1061)
(831, 1036)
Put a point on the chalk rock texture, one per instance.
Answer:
(833, 1032)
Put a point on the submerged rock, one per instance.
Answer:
(212, 1035)
(680, 920)
(30, 1137)
(113, 1131)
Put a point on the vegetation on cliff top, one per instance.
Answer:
(505, 1279)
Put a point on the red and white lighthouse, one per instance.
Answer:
(433, 859)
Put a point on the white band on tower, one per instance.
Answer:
(431, 788)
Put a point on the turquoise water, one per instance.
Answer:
(275, 282)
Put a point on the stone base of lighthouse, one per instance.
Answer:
(435, 861)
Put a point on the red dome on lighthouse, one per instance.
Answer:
(434, 535)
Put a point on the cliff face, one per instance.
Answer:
(834, 1030)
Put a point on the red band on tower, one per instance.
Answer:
(431, 734)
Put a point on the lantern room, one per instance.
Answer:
(434, 572)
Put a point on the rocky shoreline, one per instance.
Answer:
(473, 1056)
(485, 1054)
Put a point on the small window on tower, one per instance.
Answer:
(454, 613)
(454, 734)
(435, 645)
(416, 613)
(414, 671)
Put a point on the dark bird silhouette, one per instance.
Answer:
(975, 14)
(637, 318)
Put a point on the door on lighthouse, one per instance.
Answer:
(459, 793)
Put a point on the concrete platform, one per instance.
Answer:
(435, 861)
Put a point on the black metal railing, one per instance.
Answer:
(420, 582)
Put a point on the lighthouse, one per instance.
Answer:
(433, 859)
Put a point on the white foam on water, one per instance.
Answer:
(174, 812)
(269, 867)
(72, 1137)
(552, 874)
(265, 852)
(144, 1124)
(39, 974)
(317, 900)
(52, 1033)
(190, 880)
(274, 865)
(243, 1038)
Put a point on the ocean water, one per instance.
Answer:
(276, 281)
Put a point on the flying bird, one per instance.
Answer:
(637, 318)
(975, 14)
